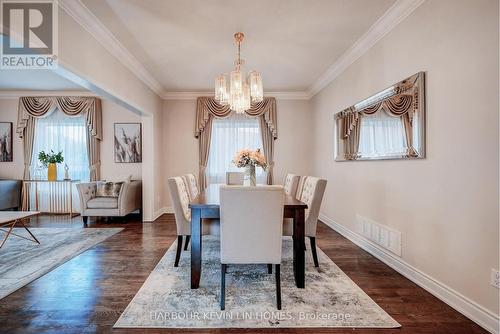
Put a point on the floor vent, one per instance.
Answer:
(379, 234)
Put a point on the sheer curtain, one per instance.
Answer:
(381, 133)
(59, 132)
(230, 135)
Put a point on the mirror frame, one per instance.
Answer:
(415, 82)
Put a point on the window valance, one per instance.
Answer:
(207, 107)
(43, 106)
(396, 106)
(32, 108)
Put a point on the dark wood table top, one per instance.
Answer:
(210, 199)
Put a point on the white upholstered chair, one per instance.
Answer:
(234, 178)
(251, 229)
(192, 185)
(180, 200)
(311, 193)
(291, 183)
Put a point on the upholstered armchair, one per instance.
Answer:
(251, 230)
(180, 201)
(234, 178)
(311, 190)
(128, 200)
(291, 183)
(191, 185)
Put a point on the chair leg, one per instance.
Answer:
(269, 268)
(179, 248)
(313, 249)
(188, 237)
(223, 269)
(278, 287)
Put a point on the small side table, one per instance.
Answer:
(60, 195)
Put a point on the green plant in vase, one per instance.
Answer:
(50, 160)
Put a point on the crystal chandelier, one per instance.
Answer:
(243, 90)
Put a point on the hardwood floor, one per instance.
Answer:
(88, 293)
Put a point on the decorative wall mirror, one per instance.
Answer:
(387, 125)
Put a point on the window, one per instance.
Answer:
(230, 135)
(59, 132)
(381, 134)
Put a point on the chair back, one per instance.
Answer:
(291, 184)
(311, 193)
(192, 185)
(251, 224)
(180, 202)
(234, 178)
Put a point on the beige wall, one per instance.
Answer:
(446, 206)
(111, 113)
(180, 148)
(110, 170)
(14, 169)
(92, 66)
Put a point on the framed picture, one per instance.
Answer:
(5, 141)
(128, 142)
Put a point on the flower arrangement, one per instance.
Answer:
(50, 158)
(245, 158)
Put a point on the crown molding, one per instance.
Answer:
(400, 10)
(390, 19)
(83, 16)
(14, 94)
(193, 95)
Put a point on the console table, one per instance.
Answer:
(60, 194)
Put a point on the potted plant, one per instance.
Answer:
(50, 160)
(248, 159)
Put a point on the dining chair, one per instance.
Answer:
(192, 185)
(182, 212)
(311, 193)
(291, 183)
(234, 178)
(251, 230)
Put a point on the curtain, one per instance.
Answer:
(229, 135)
(381, 134)
(29, 135)
(204, 140)
(401, 106)
(58, 132)
(349, 133)
(73, 106)
(268, 147)
(207, 108)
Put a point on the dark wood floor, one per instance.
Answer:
(88, 293)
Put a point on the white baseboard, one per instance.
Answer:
(161, 211)
(459, 302)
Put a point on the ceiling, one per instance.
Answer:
(34, 79)
(15, 80)
(184, 44)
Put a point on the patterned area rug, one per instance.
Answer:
(23, 261)
(330, 298)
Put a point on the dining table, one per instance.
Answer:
(207, 206)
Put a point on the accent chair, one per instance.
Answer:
(234, 178)
(251, 223)
(128, 200)
(311, 193)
